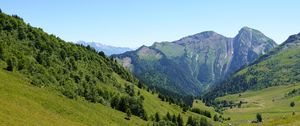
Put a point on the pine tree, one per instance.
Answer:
(179, 120)
(292, 104)
(174, 118)
(169, 117)
(128, 113)
(157, 117)
(12, 64)
(258, 117)
(216, 118)
(190, 121)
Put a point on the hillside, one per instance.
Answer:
(45, 80)
(273, 103)
(23, 103)
(278, 67)
(192, 64)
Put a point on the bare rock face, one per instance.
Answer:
(193, 63)
(248, 45)
(280, 66)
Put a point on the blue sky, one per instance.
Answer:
(132, 23)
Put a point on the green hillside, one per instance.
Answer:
(273, 103)
(47, 81)
(25, 104)
(278, 67)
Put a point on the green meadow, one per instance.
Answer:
(273, 103)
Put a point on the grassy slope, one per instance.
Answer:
(199, 104)
(24, 104)
(274, 113)
(153, 104)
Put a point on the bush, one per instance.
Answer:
(292, 104)
(258, 117)
(197, 122)
(216, 118)
(201, 112)
(157, 117)
(12, 64)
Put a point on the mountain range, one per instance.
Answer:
(107, 49)
(192, 64)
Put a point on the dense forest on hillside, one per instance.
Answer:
(75, 70)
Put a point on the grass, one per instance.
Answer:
(271, 103)
(199, 104)
(24, 104)
(171, 50)
(153, 104)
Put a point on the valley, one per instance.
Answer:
(204, 79)
(273, 103)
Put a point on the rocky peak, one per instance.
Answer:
(293, 38)
(207, 35)
(253, 37)
(248, 45)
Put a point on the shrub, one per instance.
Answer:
(292, 104)
(258, 117)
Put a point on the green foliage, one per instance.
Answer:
(157, 117)
(216, 118)
(128, 113)
(76, 71)
(179, 120)
(169, 117)
(190, 121)
(259, 117)
(24, 104)
(292, 93)
(130, 90)
(201, 112)
(174, 118)
(197, 122)
(292, 104)
(12, 64)
(125, 103)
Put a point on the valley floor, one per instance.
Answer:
(273, 103)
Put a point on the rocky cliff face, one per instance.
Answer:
(280, 66)
(248, 45)
(193, 63)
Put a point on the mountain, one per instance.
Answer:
(107, 49)
(281, 66)
(47, 81)
(193, 63)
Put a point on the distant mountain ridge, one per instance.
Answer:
(193, 63)
(107, 49)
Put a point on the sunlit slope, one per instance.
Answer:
(273, 103)
(24, 104)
